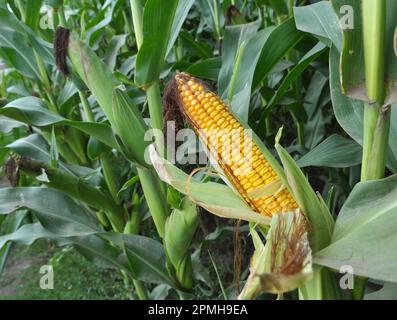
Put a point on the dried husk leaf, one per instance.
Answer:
(285, 262)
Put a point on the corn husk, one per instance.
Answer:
(214, 197)
(284, 263)
(180, 228)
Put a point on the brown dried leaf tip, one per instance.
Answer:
(172, 111)
(290, 239)
(285, 262)
(233, 16)
(61, 44)
(11, 170)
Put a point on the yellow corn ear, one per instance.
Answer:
(231, 146)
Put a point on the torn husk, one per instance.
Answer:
(285, 262)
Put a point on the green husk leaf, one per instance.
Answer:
(180, 228)
(227, 204)
(320, 218)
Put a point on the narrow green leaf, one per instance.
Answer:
(129, 127)
(54, 150)
(241, 50)
(56, 211)
(31, 110)
(274, 49)
(146, 257)
(302, 65)
(32, 19)
(206, 69)
(180, 17)
(152, 54)
(9, 226)
(334, 152)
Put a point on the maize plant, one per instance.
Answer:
(201, 150)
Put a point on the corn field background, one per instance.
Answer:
(88, 89)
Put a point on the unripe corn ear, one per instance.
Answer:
(246, 168)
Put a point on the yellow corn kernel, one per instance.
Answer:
(248, 168)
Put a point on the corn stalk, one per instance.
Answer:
(376, 115)
(178, 248)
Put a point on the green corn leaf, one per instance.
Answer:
(32, 19)
(141, 257)
(14, 46)
(146, 257)
(117, 106)
(95, 148)
(129, 127)
(180, 17)
(312, 206)
(152, 54)
(364, 235)
(100, 251)
(7, 124)
(95, 74)
(77, 188)
(54, 150)
(56, 211)
(302, 65)
(130, 183)
(96, 250)
(335, 152)
(145, 260)
(241, 50)
(111, 53)
(274, 50)
(320, 20)
(36, 147)
(32, 111)
(8, 226)
(206, 69)
(195, 48)
(26, 235)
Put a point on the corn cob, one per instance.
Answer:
(227, 141)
